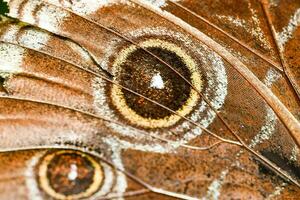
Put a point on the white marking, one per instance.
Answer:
(69, 135)
(30, 180)
(48, 17)
(274, 2)
(288, 31)
(277, 191)
(295, 152)
(13, 8)
(271, 77)
(34, 39)
(268, 128)
(51, 18)
(11, 58)
(265, 133)
(121, 182)
(108, 181)
(217, 83)
(160, 3)
(29, 8)
(157, 82)
(255, 30)
(73, 172)
(10, 34)
(236, 21)
(156, 148)
(83, 7)
(213, 192)
(37, 39)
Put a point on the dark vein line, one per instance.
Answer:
(156, 57)
(44, 79)
(259, 156)
(64, 39)
(107, 120)
(168, 65)
(262, 158)
(160, 60)
(120, 35)
(135, 93)
(254, 51)
(286, 69)
(125, 194)
(128, 174)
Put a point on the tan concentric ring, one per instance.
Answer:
(117, 96)
(98, 177)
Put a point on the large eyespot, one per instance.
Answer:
(143, 73)
(135, 69)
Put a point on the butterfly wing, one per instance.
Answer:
(61, 89)
(244, 29)
(284, 24)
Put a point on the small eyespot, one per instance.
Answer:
(69, 174)
(143, 73)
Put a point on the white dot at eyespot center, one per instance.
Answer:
(73, 172)
(157, 82)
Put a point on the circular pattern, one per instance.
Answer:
(70, 175)
(213, 86)
(146, 75)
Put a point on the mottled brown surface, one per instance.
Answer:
(64, 113)
(281, 14)
(136, 74)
